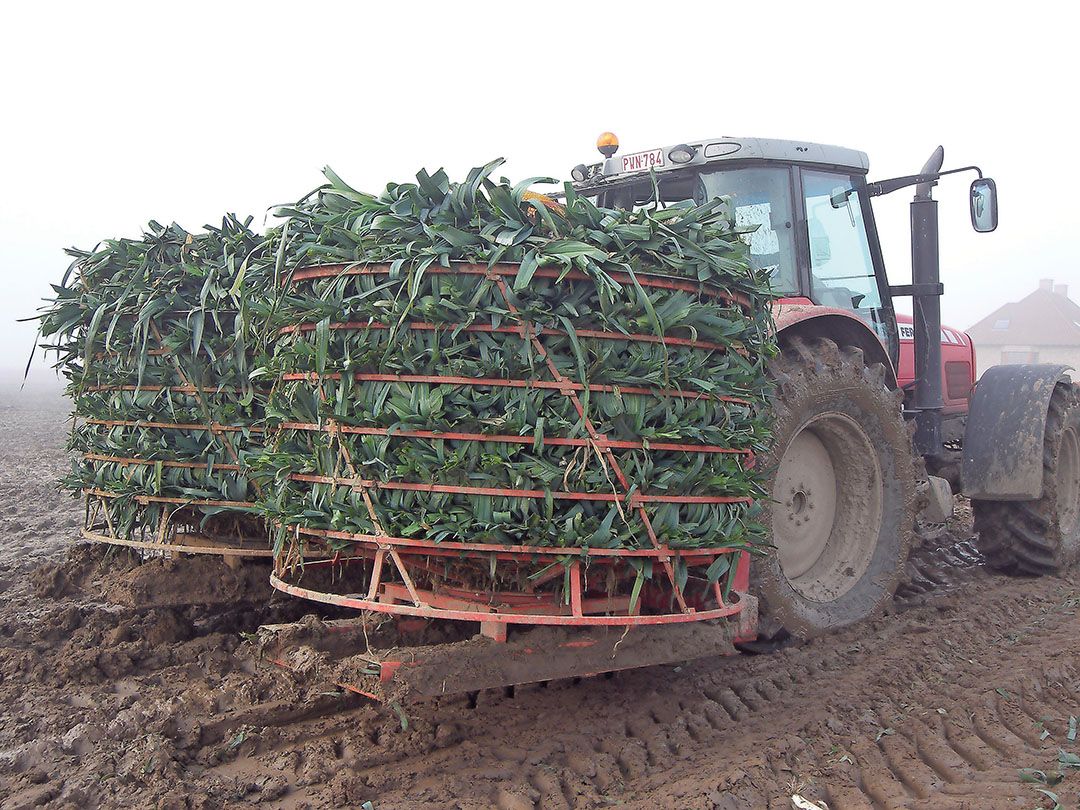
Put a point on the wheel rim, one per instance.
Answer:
(1068, 482)
(827, 506)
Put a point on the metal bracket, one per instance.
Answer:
(917, 289)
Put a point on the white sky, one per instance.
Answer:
(113, 113)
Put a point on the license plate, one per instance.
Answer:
(638, 161)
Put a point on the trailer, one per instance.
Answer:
(879, 422)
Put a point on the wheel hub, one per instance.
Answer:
(827, 506)
(1068, 482)
(806, 488)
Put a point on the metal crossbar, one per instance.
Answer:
(530, 607)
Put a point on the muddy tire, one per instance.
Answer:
(1040, 537)
(842, 481)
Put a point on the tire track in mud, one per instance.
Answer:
(902, 712)
(941, 567)
(914, 759)
(934, 707)
(899, 713)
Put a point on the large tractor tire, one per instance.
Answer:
(1043, 536)
(842, 481)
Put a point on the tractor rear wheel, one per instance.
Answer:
(842, 480)
(1043, 536)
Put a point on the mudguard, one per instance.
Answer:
(1003, 440)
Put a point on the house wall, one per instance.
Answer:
(987, 356)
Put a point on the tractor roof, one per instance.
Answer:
(707, 151)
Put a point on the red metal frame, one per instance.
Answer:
(504, 271)
(188, 547)
(421, 326)
(415, 673)
(516, 607)
(394, 565)
(167, 536)
(556, 441)
(175, 389)
(213, 427)
(508, 552)
(634, 499)
(562, 385)
(126, 461)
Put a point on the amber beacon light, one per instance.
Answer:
(607, 143)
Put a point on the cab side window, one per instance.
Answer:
(841, 268)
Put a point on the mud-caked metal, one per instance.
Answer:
(1003, 441)
(1022, 468)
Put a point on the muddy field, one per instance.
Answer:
(116, 696)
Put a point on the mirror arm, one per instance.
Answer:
(882, 187)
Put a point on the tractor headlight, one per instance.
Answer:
(683, 153)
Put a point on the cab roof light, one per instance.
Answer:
(607, 144)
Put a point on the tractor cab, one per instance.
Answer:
(815, 229)
(841, 475)
(815, 233)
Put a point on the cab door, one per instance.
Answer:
(841, 252)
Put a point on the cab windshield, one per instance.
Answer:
(830, 229)
(759, 195)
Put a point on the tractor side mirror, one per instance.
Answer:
(840, 196)
(984, 212)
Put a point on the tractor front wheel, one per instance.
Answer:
(1043, 536)
(842, 482)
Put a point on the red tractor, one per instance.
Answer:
(855, 380)
(878, 422)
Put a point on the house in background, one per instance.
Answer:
(1043, 327)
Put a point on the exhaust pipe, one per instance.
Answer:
(926, 297)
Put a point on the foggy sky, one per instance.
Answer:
(116, 113)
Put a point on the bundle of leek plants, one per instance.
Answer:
(157, 338)
(598, 369)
